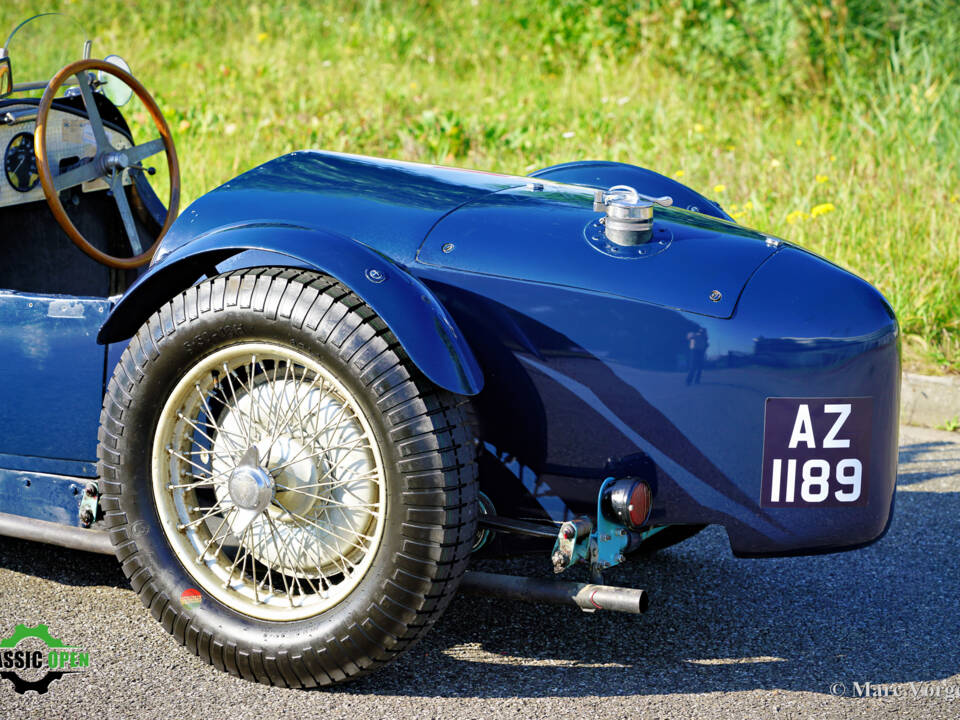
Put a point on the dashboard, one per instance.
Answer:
(69, 140)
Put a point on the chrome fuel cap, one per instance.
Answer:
(629, 214)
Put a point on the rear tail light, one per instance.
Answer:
(627, 502)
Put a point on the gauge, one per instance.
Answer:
(20, 163)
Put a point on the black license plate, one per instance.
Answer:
(816, 452)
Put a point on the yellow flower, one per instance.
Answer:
(796, 216)
(748, 205)
(733, 207)
(799, 142)
(737, 215)
(678, 173)
(833, 158)
(955, 198)
(261, 37)
(731, 148)
(822, 178)
(697, 127)
(413, 86)
(822, 209)
(719, 188)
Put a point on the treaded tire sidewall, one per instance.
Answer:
(409, 581)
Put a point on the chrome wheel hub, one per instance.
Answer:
(250, 486)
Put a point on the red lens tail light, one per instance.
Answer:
(627, 502)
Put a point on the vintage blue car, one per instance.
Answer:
(297, 411)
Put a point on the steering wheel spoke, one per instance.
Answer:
(120, 197)
(141, 152)
(93, 113)
(77, 175)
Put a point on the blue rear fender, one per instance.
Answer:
(424, 328)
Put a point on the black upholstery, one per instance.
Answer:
(37, 256)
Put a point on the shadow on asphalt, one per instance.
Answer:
(887, 613)
(60, 565)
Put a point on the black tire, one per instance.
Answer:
(429, 468)
(667, 537)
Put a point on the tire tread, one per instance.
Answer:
(436, 462)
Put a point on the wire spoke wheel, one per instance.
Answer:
(268, 481)
(286, 491)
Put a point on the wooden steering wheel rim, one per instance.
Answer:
(46, 177)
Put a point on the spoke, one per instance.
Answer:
(224, 431)
(330, 529)
(213, 442)
(331, 484)
(352, 445)
(263, 388)
(309, 443)
(301, 423)
(199, 483)
(120, 197)
(253, 570)
(254, 402)
(339, 558)
(290, 410)
(301, 553)
(208, 476)
(93, 114)
(213, 539)
(245, 426)
(283, 575)
(242, 552)
(76, 175)
(213, 511)
(338, 463)
(303, 519)
(199, 467)
(329, 501)
(141, 152)
(353, 528)
(206, 406)
(277, 426)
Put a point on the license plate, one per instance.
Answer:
(816, 452)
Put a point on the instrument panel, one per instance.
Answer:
(69, 140)
(20, 163)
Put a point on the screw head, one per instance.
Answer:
(447, 248)
(375, 276)
(716, 296)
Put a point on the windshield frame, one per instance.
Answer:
(40, 84)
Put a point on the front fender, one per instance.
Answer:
(422, 325)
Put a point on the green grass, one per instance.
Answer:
(833, 125)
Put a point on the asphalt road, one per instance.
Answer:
(724, 638)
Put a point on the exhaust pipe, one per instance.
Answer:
(588, 598)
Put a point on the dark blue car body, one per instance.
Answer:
(583, 362)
